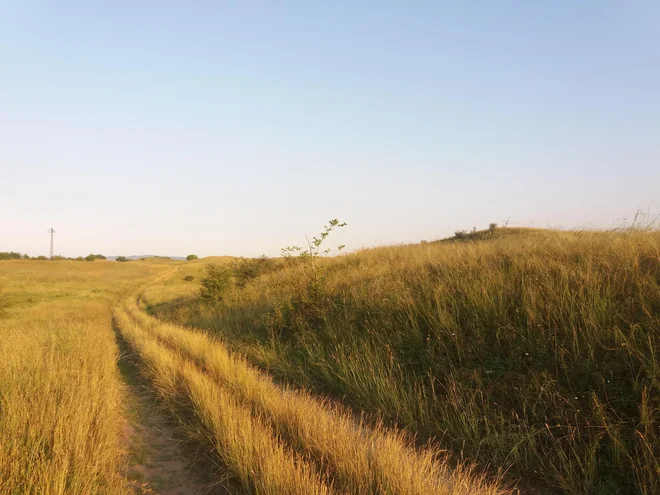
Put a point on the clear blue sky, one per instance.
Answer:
(236, 127)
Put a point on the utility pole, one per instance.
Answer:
(51, 231)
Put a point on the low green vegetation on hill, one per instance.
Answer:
(534, 351)
(11, 255)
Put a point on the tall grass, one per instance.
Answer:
(252, 455)
(61, 413)
(359, 459)
(535, 350)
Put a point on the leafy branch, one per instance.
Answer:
(315, 247)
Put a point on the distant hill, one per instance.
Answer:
(140, 256)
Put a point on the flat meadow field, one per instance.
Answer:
(61, 413)
(495, 362)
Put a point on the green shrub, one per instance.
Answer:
(188, 278)
(191, 257)
(123, 259)
(216, 283)
(477, 235)
(247, 269)
(93, 257)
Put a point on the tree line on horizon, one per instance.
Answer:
(13, 255)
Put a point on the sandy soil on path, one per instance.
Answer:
(158, 463)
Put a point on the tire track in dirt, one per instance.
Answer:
(158, 463)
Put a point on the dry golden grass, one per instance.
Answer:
(357, 458)
(526, 349)
(60, 392)
(245, 446)
(532, 351)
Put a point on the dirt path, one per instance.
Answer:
(157, 462)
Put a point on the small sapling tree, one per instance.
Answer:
(315, 248)
(312, 299)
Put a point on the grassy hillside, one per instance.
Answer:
(534, 350)
(60, 391)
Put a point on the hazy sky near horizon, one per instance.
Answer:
(238, 127)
